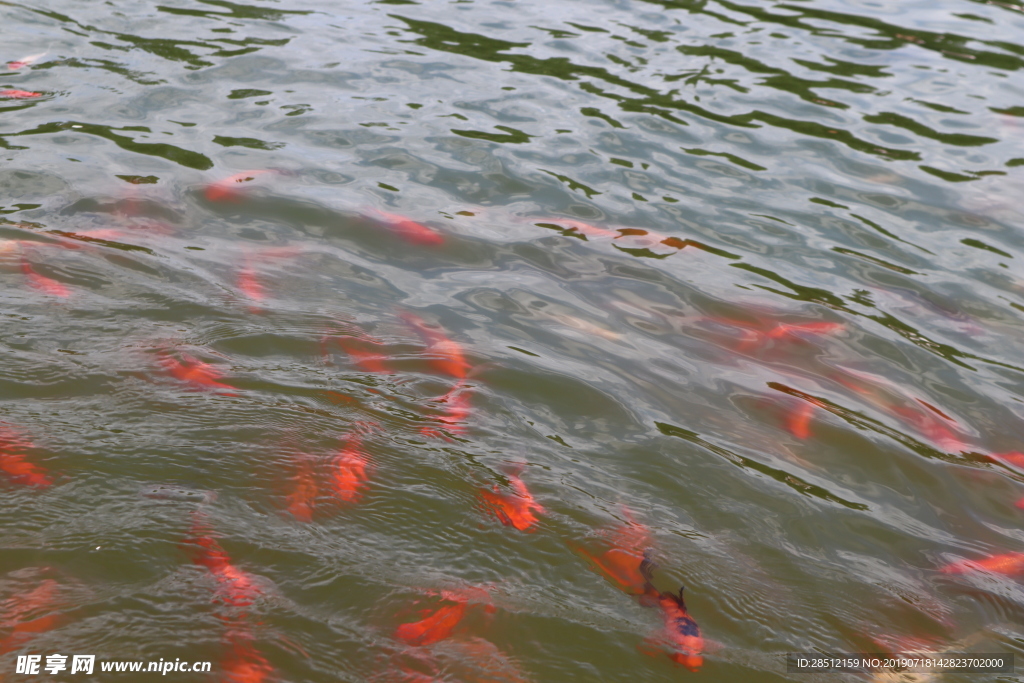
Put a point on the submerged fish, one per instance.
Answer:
(243, 663)
(301, 500)
(349, 467)
(444, 354)
(623, 563)
(42, 283)
(195, 372)
(26, 614)
(25, 61)
(226, 190)
(408, 229)
(19, 94)
(514, 509)
(436, 626)
(235, 586)
(1007, 563)
(681, 636)
(14, 464)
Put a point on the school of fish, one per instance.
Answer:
(339, 479)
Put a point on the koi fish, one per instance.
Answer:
(225, 190)
(408, 229)
(1019, 504)
(42, 283)
(456, 409)
(245, 664)
(13, 463)
(249, 285)
(514, 509)
(371, 361)
(435, 627)
(623, 564)
(195, 372)
(445, 355)
(236, 587)
(1008, 563)
(25, 61)
(42, 598)
(681, 635)
(19, 94)
(483, 662)
(760, 333)
(300, 500)
(1013, 459)
(349, 470)
(799, 420)
(439, 624)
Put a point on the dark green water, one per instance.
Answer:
(626, 204)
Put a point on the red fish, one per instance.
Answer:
(226, 190)
(436, 627)
(41, 282)
(514, 509)
(25, 61)
(349, 469)
(439, 624)
(1008, 563)
(445, 355)
(19, 614)
(249, 285)
(19, 94)
(370, 361)
(408, 229)
(236, 587)
(799, 420)
(301, 499)
(1019, 504)
(456, 409)
(761, 332)
(681, 635)
(245, 664)
(1013, 459)
(624, 563)
(195, 372)
(13, 463)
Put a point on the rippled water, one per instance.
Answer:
(745, 273)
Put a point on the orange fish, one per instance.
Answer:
(245, 664)
(1013, 459)
(249, 285)
(445, 355)
(760, 332)
(371, 361)
(236, 587)
(513, 509)
(1008, 563)
(435, 627)
(13, 463)
(19, 94)
(408, 229)
(456, 409)
(799, 420)
(301, 499)
(681, 635)
(226, 191)
(349, 468)
(195, 372)
(1019, 504)
(41, 282)
(21, 614)
(25, 61)
(625, 562)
